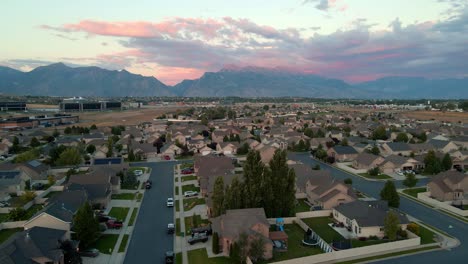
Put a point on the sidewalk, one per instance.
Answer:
(180, 242)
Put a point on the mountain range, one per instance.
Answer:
(60, 80)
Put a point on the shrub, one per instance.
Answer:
(413, 228)
(215, 243)
(402, 233)
(373, 238)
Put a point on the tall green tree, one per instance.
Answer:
(215, 243)
(90, 148)
(254, 171)
(283, 180)
(70, 156)
(446, 162)
(218, 197)
(402, 137)
(256, 248)
(86, 226)
(389, 194)
(391, 225)
(110, 148)
(432, 164)
(234, 195)
(410, 181)
(379, 133)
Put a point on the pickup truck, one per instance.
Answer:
(114, 224)
(199, 237)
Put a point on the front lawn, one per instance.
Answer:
(302, 206)
(133, 217)
(199, 256)
(295, 247)
(139, 197)
(186, 165)
(194, 221)
(427, 236)
(123, 243)
(106, 243)
(33, 210)
(190, 187)
(190, 203)
(177, 205)
(52, 194)
(188, 178)
(178, 258)
(378, 177)
(123, 196)
(120, 213)
(7, 233)
(125, 186)
(177, 227)
(321, 227)
(3, 218)
(414, 191)
(177, 190)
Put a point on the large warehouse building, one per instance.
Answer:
(81, 104)
(12, 106)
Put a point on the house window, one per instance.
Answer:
(359, 230)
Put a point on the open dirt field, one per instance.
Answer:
(127, 117)
(436, 115)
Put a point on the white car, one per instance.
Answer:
(170, 202)
(400, 173)
(138, 172)
(190, 193)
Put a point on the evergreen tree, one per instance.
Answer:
(110, 148)
(215, 243)
(375, 150)
(218, 197)
(402, 137)
(225, 139)
(446, 162)
(432, 163)
(234, 194)
(410, 180)
(131, 155)
(389, 194)
(86, 226)
(253, 175)
(91, 149)
(391, 225)
(283, 180)
(309, 132)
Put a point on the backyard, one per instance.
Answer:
(106, 243)
(295, 247)
(414, 191)
(192, 202)
(119, 213)
(320, 226)
(199, 256)
(302, 206)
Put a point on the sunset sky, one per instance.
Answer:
(354, 40)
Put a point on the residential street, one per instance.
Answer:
(439, 220)
(150, 241)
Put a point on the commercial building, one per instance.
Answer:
(12, 106)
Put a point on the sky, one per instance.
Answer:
(353, 40)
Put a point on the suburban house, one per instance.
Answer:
(208, 167)
(342, 153)
(319, 188)
(35, 245)
(252, 222)
(366, 219)
(267, 153)
(59, 212)
(442, 145)
(395, 163)
(449, 186)
(170, 149)
(366, 161)
(460, 159)
(397, 148)
(227, 148)
(11, 181)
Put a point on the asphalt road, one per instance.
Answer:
(439, 220)
(150, 241)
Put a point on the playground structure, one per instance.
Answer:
(280, 224)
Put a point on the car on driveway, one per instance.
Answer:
(190, 193)
(199, 237)
(114, 224)
(170, 257)
(202, 230)
(92, 253)
(170, 202)
(170, 228)
(138, 172)
(187, 171)
(104, 218)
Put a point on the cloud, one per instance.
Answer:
(326, 5)
(190, 46)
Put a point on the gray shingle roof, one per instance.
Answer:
(368, 214)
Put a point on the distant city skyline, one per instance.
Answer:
(354, 40)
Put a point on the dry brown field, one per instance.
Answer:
(437, 115)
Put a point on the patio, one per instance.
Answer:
(343, 231)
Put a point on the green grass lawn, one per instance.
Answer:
(378, 177)
(7, 233)
(133, 217)
(139, 197)
(302, 206)
(177, 205)
(178, 258)
(176, 179)
(119, 213)
(176, 190)
(414, 191)
(321, 227)
(198, 219)
(3, 218)
(123, 243)
(52, 194)
(199, 256)
(123, 196)
(130, 187)
(190, 187)
(189, 203)
(106, 243)
(186, 165)
(295, 247)
(188, 178)
(465, 207)
(17, 202)
(427, 236)
(177, 227)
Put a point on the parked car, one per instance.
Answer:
(206, 230)
(91, 252)
(170, 228)
(102, 218)
(37, 186)
(114, 224)
(170, 257)
(198, 237)
(170, 202)
(148, 184)
(166, 157)
(4, 204)
(190, 193)
(400, 173)
(138, 172)
(187, 171)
